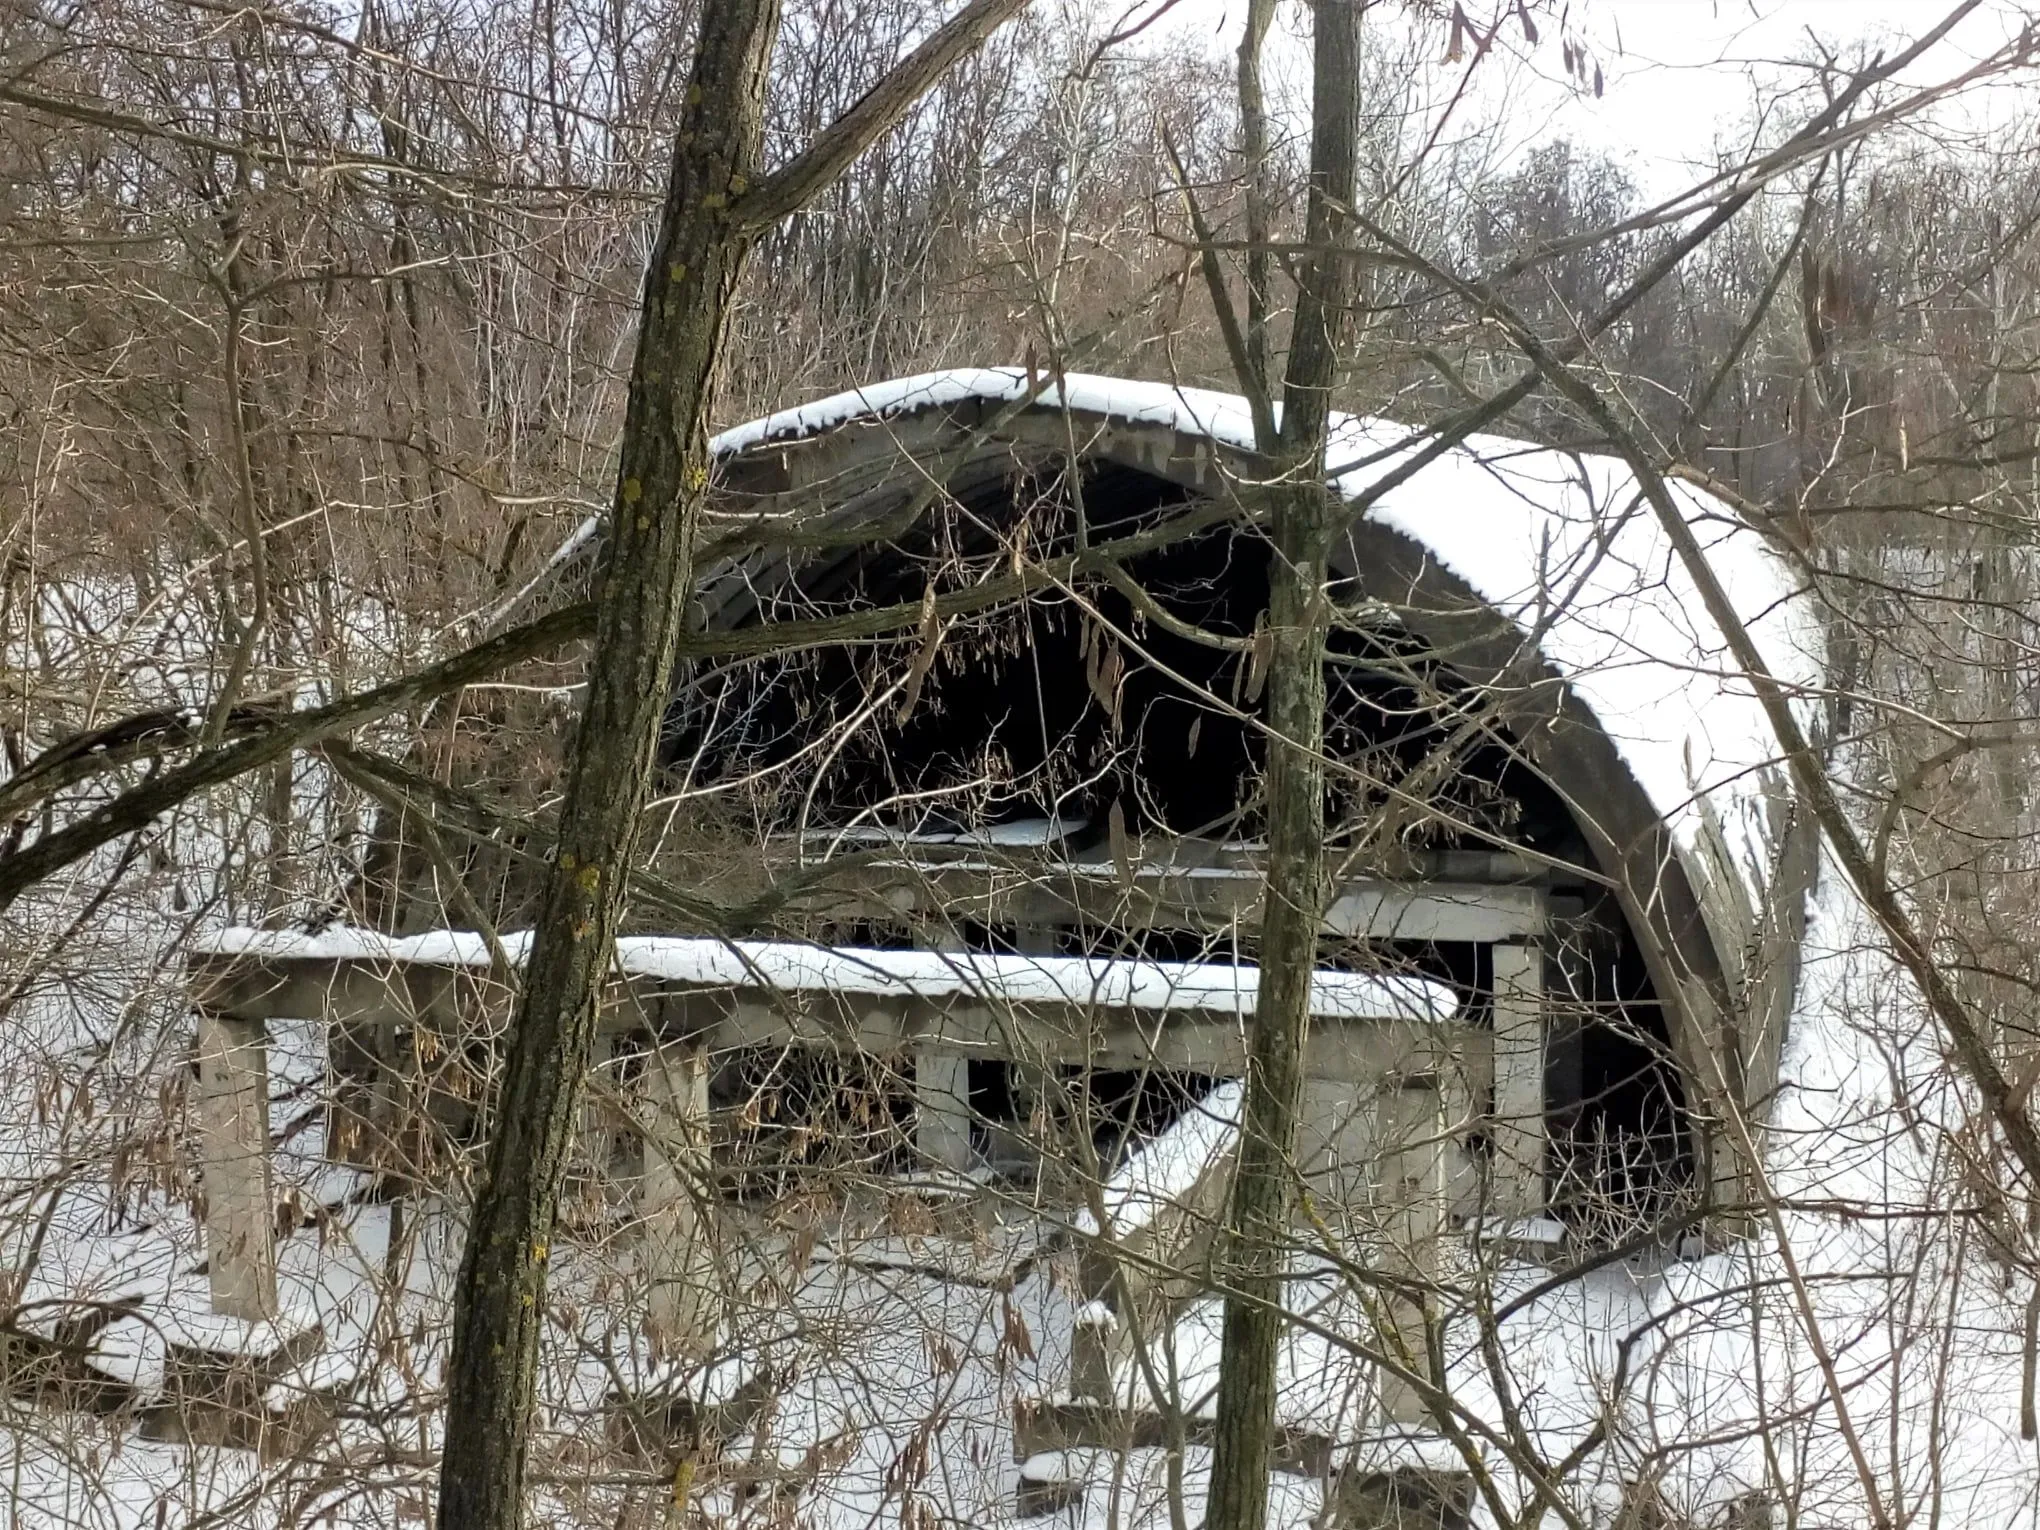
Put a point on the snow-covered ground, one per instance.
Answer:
(895, 1387)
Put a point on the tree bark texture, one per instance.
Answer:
(647, 576)
(1305, 518)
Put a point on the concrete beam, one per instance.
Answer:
(1218, 900)
(1212, 1042)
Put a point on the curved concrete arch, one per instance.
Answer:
(832, 487)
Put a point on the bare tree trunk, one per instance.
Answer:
(716, 204)
(649, 571)
(1305, 518)
(1254, 169)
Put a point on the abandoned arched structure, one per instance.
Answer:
(1528, 599)
(957, 849)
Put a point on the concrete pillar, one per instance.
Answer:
(591, 1166)
(942, 1077)
(232, 1109)
(942, 1107)
(677, 1233)
(1335, 1148)
(1411, 1197)
(1518, 1126)
(1376, 1161)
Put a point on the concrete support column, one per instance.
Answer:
(677, 1234)
(942, 1107)
(1518, 1126)
(1376, 1161)
(232, 1109)
(942, 1077)
(1335, 1148)
(591, 1166)
(1411, 1196)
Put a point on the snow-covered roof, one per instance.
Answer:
(786, 966)
(1561, 542)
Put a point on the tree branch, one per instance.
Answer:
(1245, 367)
(269, 737)
(138, 807)
(791, 186)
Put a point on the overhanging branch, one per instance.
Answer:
(791, 186)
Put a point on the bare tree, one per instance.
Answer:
(717, 200)
(1304, 517)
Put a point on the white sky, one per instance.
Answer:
(1682, 73)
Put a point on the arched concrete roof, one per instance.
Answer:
(1541, 568)
(1559, 542)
